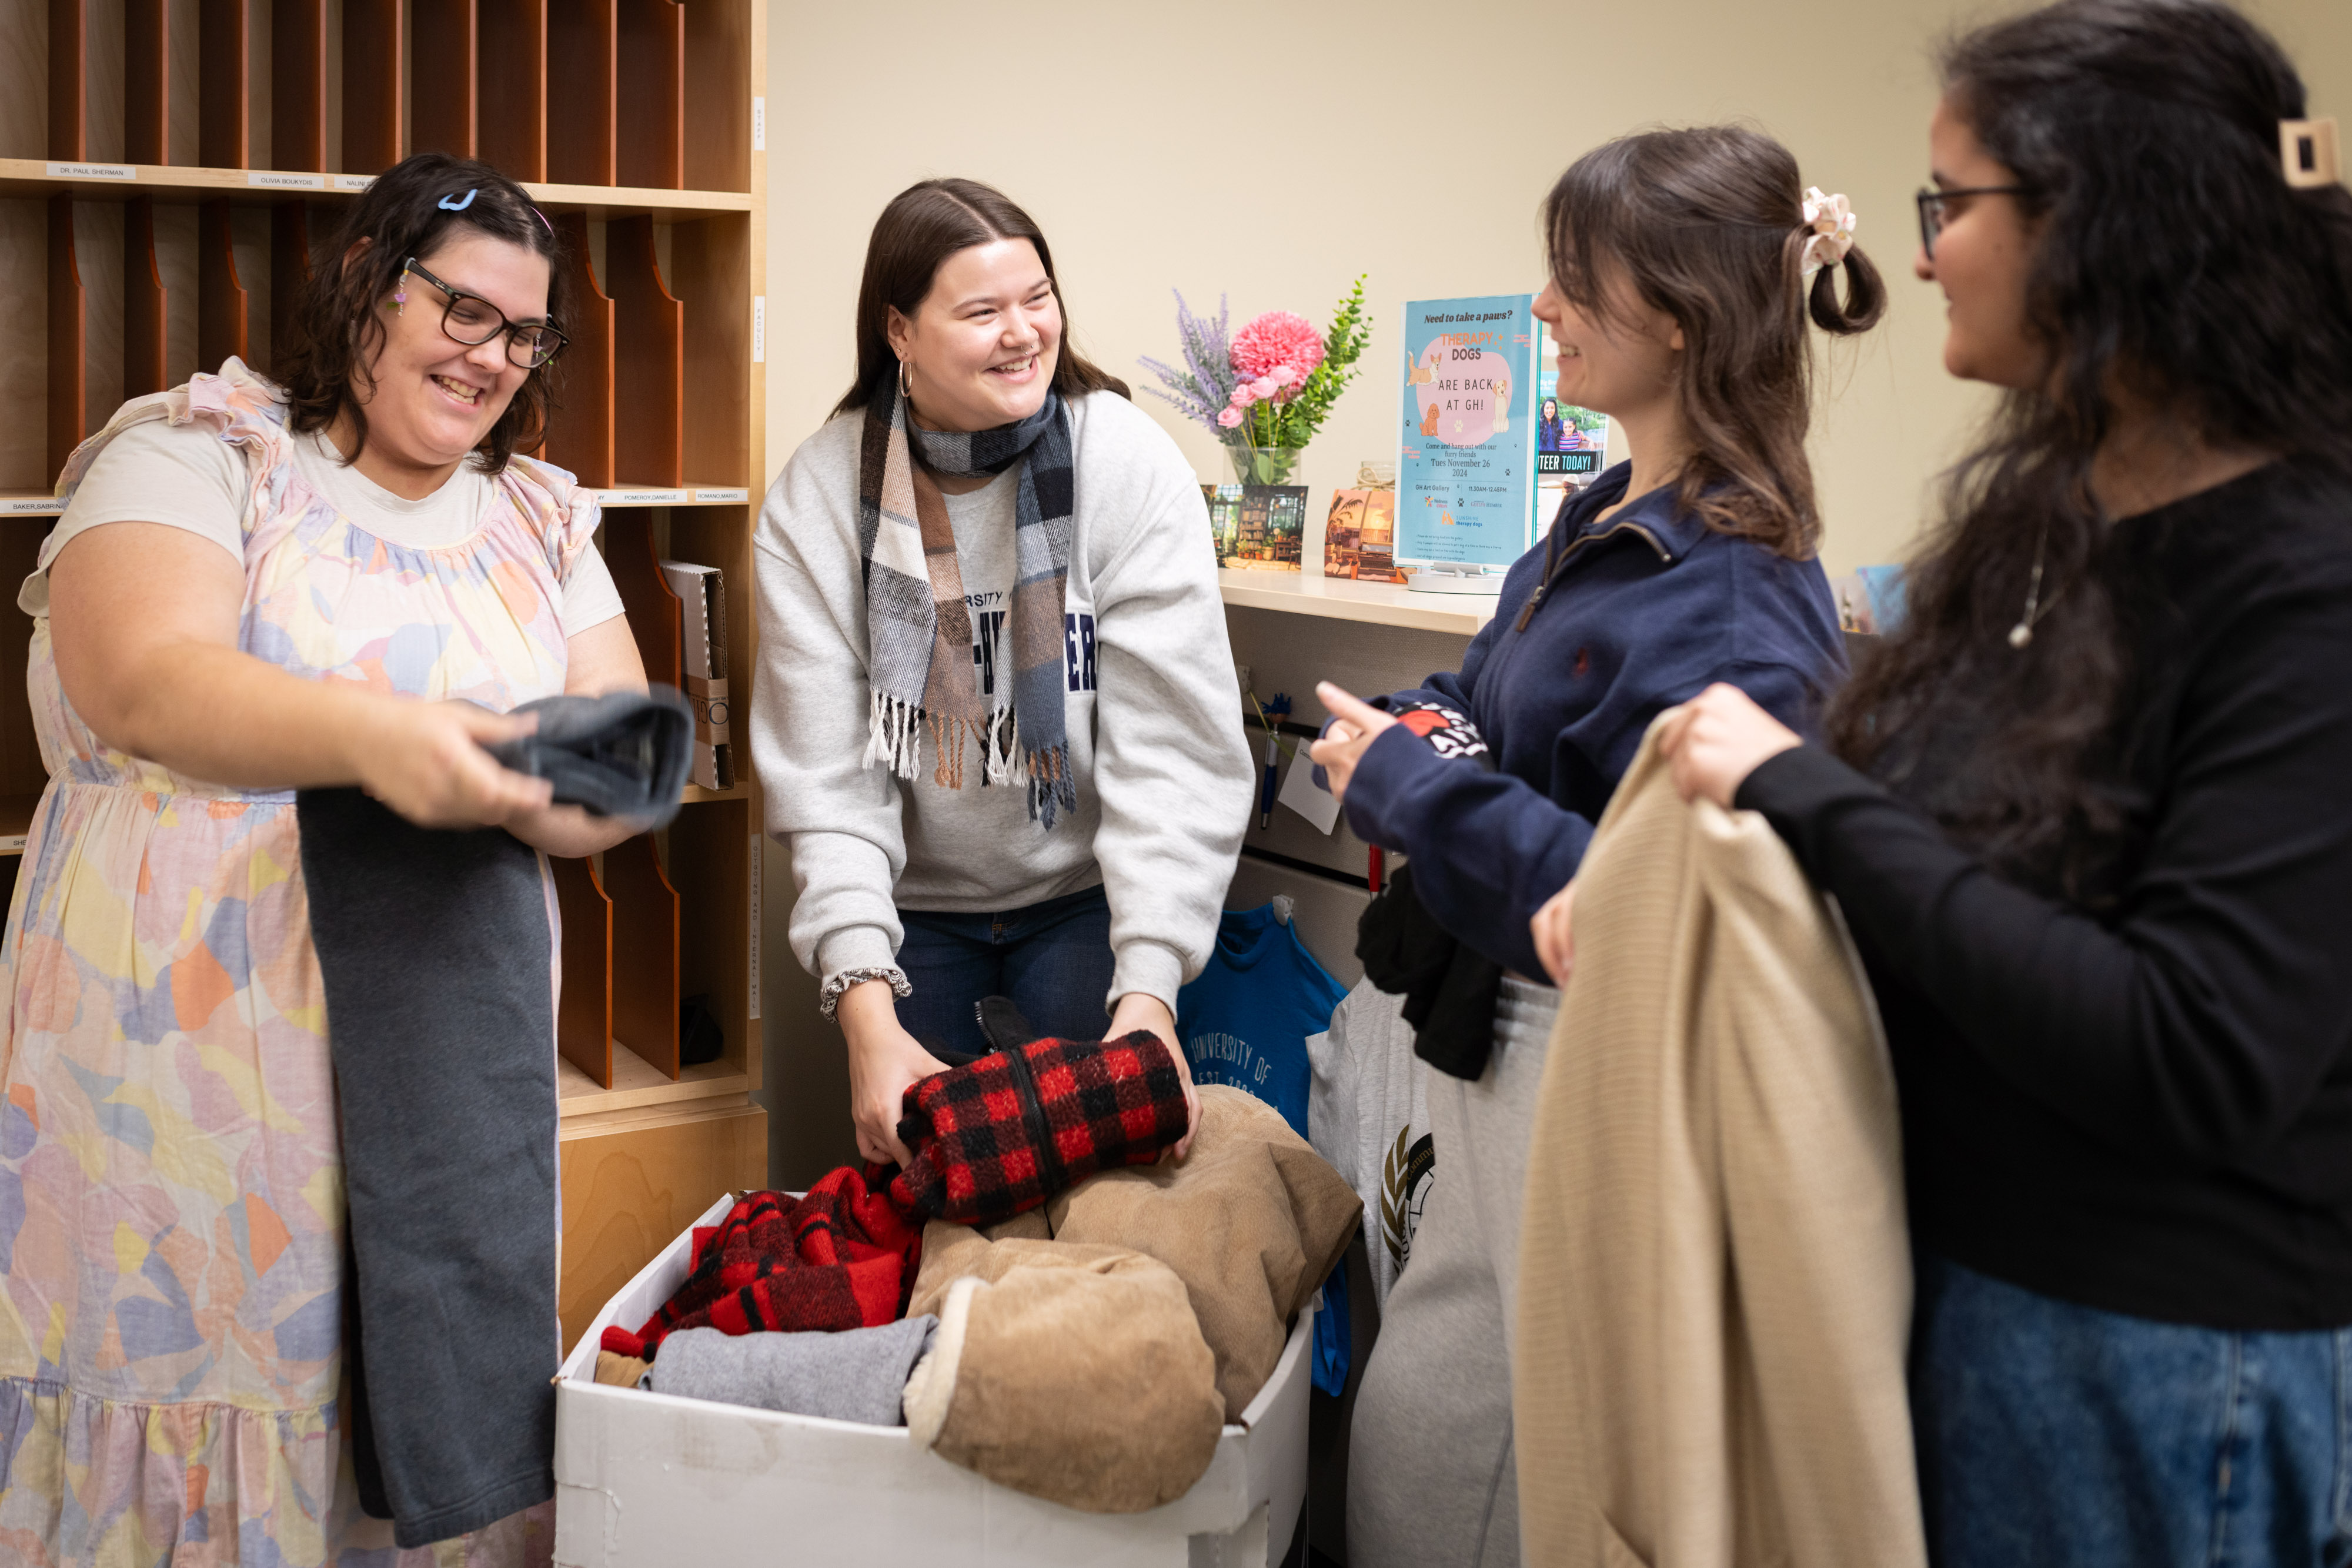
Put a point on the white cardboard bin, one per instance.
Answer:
(649, 1480)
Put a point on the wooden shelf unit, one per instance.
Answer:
(169, 169)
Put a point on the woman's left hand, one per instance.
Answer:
(1358, 723)
(1717, 738)
(1142, 1010)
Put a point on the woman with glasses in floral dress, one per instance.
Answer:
(344, 576)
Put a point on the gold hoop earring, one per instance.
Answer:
(905, 381)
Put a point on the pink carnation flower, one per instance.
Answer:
(1229, 417)
(1278, 338)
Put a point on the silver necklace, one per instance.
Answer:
(2021, 633)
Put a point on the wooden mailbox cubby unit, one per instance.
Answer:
(169, 171)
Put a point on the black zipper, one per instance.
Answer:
(1555, 563)
(1051, 1175)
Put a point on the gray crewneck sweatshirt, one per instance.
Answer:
(1156, 745)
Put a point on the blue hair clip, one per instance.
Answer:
(451, 204)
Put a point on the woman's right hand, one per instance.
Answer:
(425, 761)
(1555, 937)
(884, 1059)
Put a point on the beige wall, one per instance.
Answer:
(1272, 150)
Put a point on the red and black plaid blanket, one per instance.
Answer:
(1007, 1132)
(840, 1258)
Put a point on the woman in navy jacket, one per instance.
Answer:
(1683, 266)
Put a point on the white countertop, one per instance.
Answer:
(1339, 599)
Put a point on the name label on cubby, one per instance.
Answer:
(353, 181)
(93, 171)
(278, 179)
(707, 495)
(31, 506)
(13, 844)
(646, 498)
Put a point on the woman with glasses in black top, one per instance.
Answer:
(2089, 810)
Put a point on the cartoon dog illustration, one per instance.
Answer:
(1429, 420)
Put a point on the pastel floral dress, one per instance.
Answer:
(171, 1185)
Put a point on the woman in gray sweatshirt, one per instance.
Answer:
(996, 720)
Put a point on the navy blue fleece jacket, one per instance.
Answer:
(1598, 631)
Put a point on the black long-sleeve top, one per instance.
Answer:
(2147, 1109)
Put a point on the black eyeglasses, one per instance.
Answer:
(473, 320)
(1931, 208)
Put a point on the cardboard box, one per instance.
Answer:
(648, 1480)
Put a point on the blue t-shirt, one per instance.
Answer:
(1245, 1022)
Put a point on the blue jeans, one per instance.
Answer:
(1054, 960)
(2054, 1434)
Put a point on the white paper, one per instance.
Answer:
(1319, 807)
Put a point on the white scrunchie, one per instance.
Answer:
(1832, 221)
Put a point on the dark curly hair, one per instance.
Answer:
(1707, 225)
(2171, 260)
(323, 353)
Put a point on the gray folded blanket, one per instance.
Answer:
(435, 951)
(624, 754)
(856, 1374)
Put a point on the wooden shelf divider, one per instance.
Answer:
(584, 1017)
(583, 55)
(511, 67)
(68, 323)
(375, 64)
(652, 94)
(580, 437)
(298, 88)
(146, 82)
(657, 616)
(69, 81)
(719, 110)
(648, 356)
(646, 910)
(442, 112)
(144, 334)
(223, 90)
(222, 309)
(289, 266)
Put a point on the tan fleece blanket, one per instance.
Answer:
(1070, 1373)
(1088, 1352)
(1253, 1222)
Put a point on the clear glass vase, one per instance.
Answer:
(1267, 465)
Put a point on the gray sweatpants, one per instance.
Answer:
(1431, 1482)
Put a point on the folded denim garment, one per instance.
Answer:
(624, 754)
(854, 1376)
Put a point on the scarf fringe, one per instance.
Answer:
(1051, 790)
(894, 735)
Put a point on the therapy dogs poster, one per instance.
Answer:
(1466, 462)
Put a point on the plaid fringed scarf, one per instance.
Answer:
(918, 632)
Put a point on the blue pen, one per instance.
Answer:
(1273, 714)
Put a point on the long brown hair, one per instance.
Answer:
(923, 225)
(337, 324)
(2173, 260)
(1706, 224)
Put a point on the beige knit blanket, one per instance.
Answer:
(1715, 1281)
